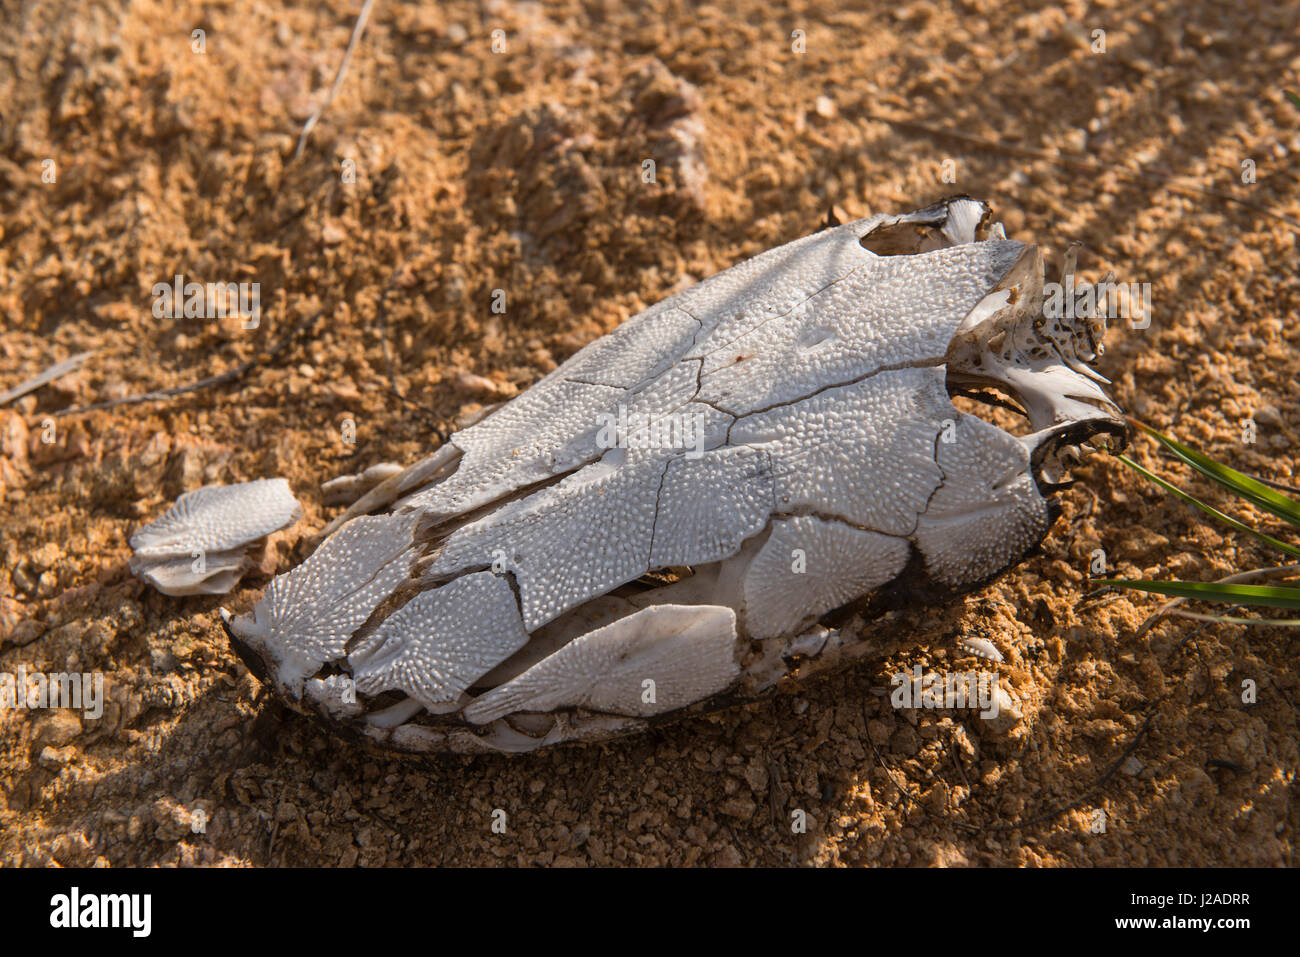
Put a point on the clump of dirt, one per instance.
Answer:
(449, 176)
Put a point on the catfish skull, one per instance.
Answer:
(662, 523)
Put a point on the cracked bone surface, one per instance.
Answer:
(662, 523)
(197, 547)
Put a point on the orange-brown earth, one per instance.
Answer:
(521, 170)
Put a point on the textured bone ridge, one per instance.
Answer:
(987, 509)
(441, 641)
(827, 449)
(556, 542)
(197, 546)
(810, 566)
(307, 615)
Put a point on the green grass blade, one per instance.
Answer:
(1271, 596)
(1209, 509)
(1271, 500)
(1292, 97)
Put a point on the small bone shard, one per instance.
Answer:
(216, 574)
(197, 546)
(980, 648)
(346, 489)
(394, 486)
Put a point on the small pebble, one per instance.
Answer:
(478, 385)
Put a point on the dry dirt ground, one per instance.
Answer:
(520, 170)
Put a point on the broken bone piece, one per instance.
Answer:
(346, 489)
(655, 660)
(197, 547)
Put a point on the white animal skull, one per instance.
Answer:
(663, 521)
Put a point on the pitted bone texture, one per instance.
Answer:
(809, 566)
(197, 546)
(218, 518)
(425, 649)
(784, 429)
(311, 611)
(817, 312)
(988, 509)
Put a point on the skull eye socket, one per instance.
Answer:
(992, 403)
(903, 239)
(950, 222)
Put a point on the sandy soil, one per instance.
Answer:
(520, 171)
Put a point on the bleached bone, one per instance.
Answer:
(216, 574)
(197, 546)
(424, 649)
(218, 518)
(987, 510)
(558, 571)
(656, 660)
(307, 615)
(346, 489)
(809, 566)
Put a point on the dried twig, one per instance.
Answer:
(357, 31)
(230, 375)
(49, 375)
(1280, 486)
